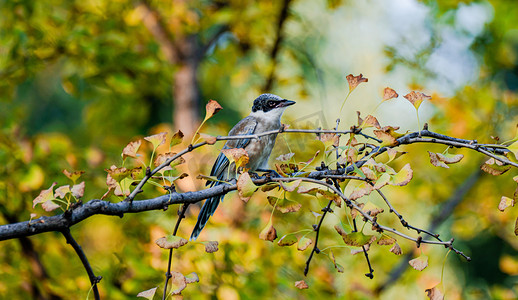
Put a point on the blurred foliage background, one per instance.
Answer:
(80, 79)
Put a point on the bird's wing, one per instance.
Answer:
(244, 127)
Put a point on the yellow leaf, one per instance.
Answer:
(403, 177)
(156, 139)
(245, 187)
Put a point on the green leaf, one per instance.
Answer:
(288, 240)
(358, 239)
(176, 138)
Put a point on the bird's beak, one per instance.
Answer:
(285, 103)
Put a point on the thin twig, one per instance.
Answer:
(79, 251)
(317, 229)
(168, 275)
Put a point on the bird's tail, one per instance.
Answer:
(207, 210)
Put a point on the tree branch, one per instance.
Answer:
(79, 251)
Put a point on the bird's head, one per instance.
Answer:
(270, 104)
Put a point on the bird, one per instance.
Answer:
(266, 115)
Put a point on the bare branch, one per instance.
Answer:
(79, 251)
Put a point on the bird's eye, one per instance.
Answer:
(270, 104)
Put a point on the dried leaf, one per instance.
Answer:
(211, 246)
(354, 81)
(148, 294)
(372, 209)
(44, 195)
(329, 139)
(179, 281)
(78, 190)
(163, 157)
(171, 241)
(360, 250)
(434, 293)
(288, 240)
(416, 98)
(285, 157)
(362, 188)
(386, 240)
(211, 109)
(505, 202)
(331, 196)
(302, 285)
(117, 173)
(516, 227)
(61, 191)
(387, 139)
(389, 93)
(192, 278)
(304, 243)
(307, 190)
(494, 167)
(245, 187)
(49, 205)
(131, 149)
(157, 139)
(338, 267)
(290, 186)
(268, 233)
(370, 121)
(211, 140)
(440, 160)
(284, 205)
(396, 249)
(419, 263)
(73, 175)
(237, 155)
(136, 173)
(268, 187)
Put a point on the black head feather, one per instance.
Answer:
(267, 102)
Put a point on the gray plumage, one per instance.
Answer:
(265, 116)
